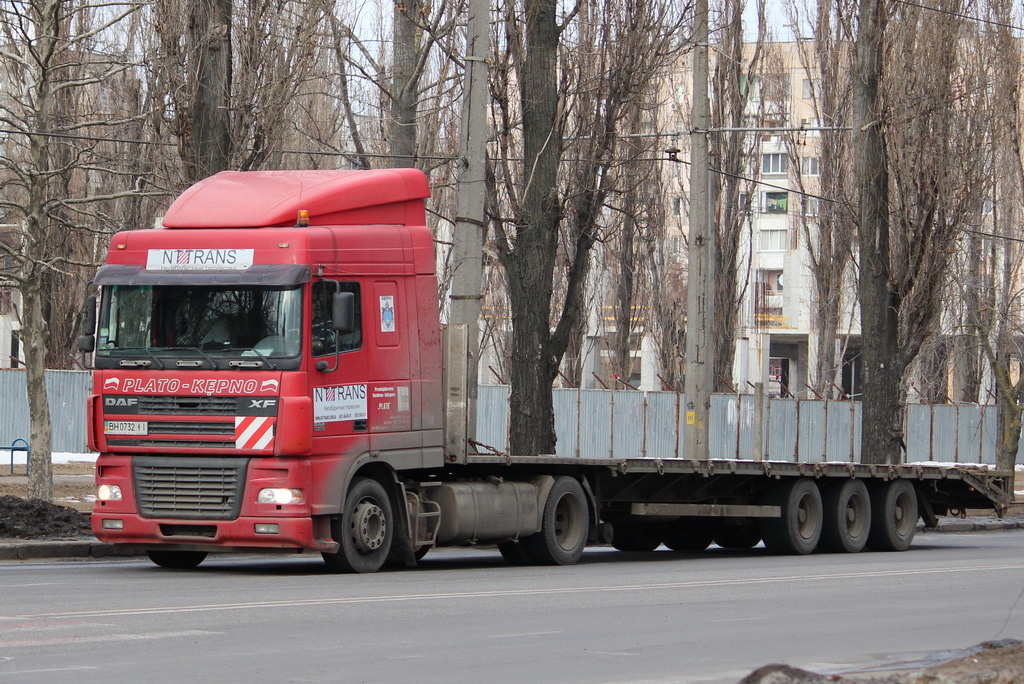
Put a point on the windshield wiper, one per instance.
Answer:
(213, 364)
(133, 362)
(240, 364)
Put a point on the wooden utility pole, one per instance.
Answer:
(700, 296)
(469, 220)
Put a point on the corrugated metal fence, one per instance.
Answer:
(630, 424)
(67, 392)
(624, 424)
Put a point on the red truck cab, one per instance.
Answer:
(228, 410)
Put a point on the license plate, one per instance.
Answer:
(125, 427)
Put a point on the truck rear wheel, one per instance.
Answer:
(687, 534)
(364, 529)
(799, 528)
(564, 525)
(179, 560)
(893, 516)
(847, 523)
(629, 534)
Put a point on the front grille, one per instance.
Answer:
(189, 488)
(190, 406)
(169, 443)
(183, 427)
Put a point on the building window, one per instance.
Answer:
(677, 206)
(743, 203)
(809, 205)
(776, 202)
(813, 124)
(775, 163)
(773, 240)
(772, 281)
(810, 166)
(812, 88)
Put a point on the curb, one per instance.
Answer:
(72, 548)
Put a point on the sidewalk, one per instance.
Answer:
(32, 549)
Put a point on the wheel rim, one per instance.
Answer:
(856, 514)
(903, 523)
(369, 526)
(568, 522)
(805, 518)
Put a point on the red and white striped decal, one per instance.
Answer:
(254, 432)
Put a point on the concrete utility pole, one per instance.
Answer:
(469, 220)
(700, 297)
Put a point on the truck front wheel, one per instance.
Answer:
(564, 526)
(364, 529)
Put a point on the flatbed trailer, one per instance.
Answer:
(269, 378)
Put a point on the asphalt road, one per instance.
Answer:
(466, 616)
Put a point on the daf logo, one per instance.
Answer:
(262, 403)
(120, 401)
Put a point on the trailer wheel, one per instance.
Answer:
(179, 560)
(894, 516)
(364, 529)
(690, 535)
(743, 536)
(847, 522)
(629, 534)
(515, 553)
(799, 528)
(564, 525)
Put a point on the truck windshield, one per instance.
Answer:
(236, 321)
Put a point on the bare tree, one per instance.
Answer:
(52, 54)
(918, 169)
(534, 104)
(826, 220)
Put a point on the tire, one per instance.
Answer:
(847, 523)
(742, 536)
(515, 553)
(893, 516)
(798, 530)
(178, 560)
(565, 525)
(364, 529)
(687, 535)
(629, 534)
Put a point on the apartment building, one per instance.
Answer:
(779, 201)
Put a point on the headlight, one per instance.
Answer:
(107, 492)
(280, 496)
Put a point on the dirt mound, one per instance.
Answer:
(34, 519)
(993, 662)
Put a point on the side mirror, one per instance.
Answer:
(87, 340)
(87, 343)
(343, 312)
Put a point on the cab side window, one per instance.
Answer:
(323, 335)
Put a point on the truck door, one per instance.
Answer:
(339, 393)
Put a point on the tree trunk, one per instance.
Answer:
(404, 84)
(531, 266)
(882, 425)
(33, 329)
(209, 145)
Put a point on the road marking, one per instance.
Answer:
(505, 593)
(523, 634)
(56, 669)
(101, 638)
